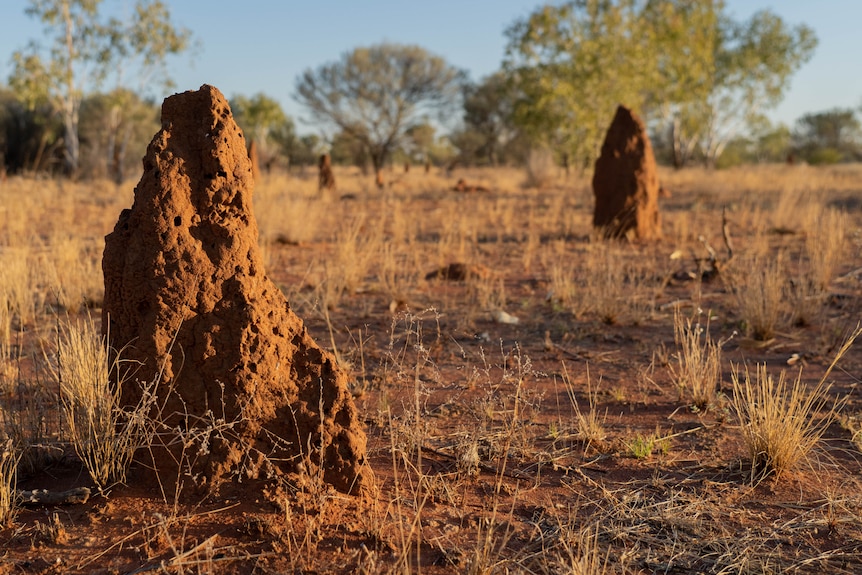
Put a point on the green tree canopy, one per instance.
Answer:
(831, 136)
(115, 127)
(755, 60)
(570, 66)
(81, 49)
(263, 121)
(488, 112)
(374, 94)
(684, 63)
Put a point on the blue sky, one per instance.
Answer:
(261, 46)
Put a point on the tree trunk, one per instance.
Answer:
(71, 100)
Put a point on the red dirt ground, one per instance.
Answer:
(472, 441)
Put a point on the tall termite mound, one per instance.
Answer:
(625, 181)
(187, 295)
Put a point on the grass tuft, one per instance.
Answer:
(760, 289)
(780, 424)
(590, 424)
(698, 368)
(104, 434)
(8, 479)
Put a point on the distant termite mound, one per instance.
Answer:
(625, 182)
(325, 176)
(187, 295)
(254, 158)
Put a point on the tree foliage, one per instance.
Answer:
(570, 65)
(81, 50)
(755, 60)
(374, 94)
(828, 137)
(263, 121)
(683, 63)
(30, 137)
(488, 112)
(115, 128)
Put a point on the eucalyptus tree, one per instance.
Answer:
(830, 136)
(80, 50)
(755, 61)
(115, 128)
(684, 63)
(488, 111)
(569, 67)
(264, 121)
(373, 94)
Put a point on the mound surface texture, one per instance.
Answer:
(186, 292)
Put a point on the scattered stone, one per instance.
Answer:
(459, 272)
(625, 182)
(186, 293)
(500, 316)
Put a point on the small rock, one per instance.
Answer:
(500, 316)
(459, 272)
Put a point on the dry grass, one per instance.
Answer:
(609, 284)
(589, 423)
(20, 293)
(761, 288)
(697, 371)
(781, 422)
(483, 465)
(585, 556)
(105, 435)
(8, 482)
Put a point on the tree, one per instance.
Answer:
(114, 127)
(419, 140)
(375, 93)
(347, 149)
(772, 143)
(263, 121)
(286, 142)
(83, 50)
(684, 63)
(681, 37)
(305, 150)
(30, 137)
(829, 137)
(570, 66)
(754, 63)
(488, 112)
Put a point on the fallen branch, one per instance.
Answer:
(45, 497)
